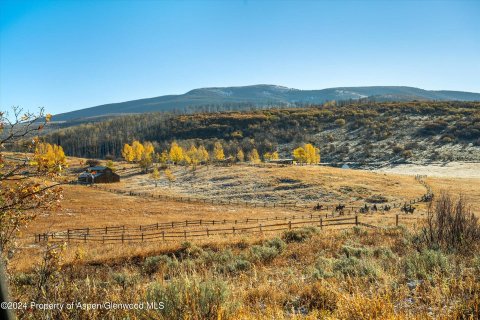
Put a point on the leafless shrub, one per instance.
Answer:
(451, 225)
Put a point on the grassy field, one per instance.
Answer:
(346, 272)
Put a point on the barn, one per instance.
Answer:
(98, 174)
(282, 161)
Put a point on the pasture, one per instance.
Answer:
(251, 239)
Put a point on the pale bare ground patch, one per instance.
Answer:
(455, 170)
(263, 184)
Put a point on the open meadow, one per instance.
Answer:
(362, 266)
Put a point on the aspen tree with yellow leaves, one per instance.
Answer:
(308, 154)
(155, 176)
(49, 158)
(240, 155)
(138, 150)
(170, 177)
(127, 153)
(193, 157)
(163, 157)
(176, 153)
(254, 157)
(203, 154)
(146, 157)
(218, 154)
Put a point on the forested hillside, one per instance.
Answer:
(356, 132)
(261, 97)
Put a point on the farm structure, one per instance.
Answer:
(98, 174)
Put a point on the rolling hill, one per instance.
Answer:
(261, 96)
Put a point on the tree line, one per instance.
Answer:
(144, 154)
(267, 130)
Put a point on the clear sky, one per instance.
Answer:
(67, 55)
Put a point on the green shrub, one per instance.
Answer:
(276, 243)
(354, 267)
(239, 265)
(192, 298)
(426, 263)
(263, 253)
(189, 250)
(383, 252)
(299, 235)
(323, 268)
(226, 262)
(355, 252)
(24, 279)
(152, 264)
(122, 279)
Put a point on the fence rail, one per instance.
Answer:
(147, 235)
(168, 230)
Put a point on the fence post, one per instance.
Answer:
(157, 225)
(396, 220)
(185, 234)
(84, 237)
(163, 236)
(233, 229)
(356, 220)
(321, 223)
(208, 233)
(142, 236)
(122, 237)
(260, 226)
(289, 225)
(68, 235)
(106, 230)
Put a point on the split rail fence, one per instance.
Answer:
(123, 234)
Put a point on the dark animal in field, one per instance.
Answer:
(318, 207)
(427, 197)
(374, 208)
(364, 209)
(386, 208)
(408, 209)
(340, 207)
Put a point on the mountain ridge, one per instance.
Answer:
(262, 95)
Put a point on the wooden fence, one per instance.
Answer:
(192, 229)
(117, 234)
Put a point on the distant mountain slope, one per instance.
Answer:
(262, 95)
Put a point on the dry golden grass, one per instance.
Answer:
(307, 280)
(84, 206)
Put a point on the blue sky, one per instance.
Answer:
(67, 55)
